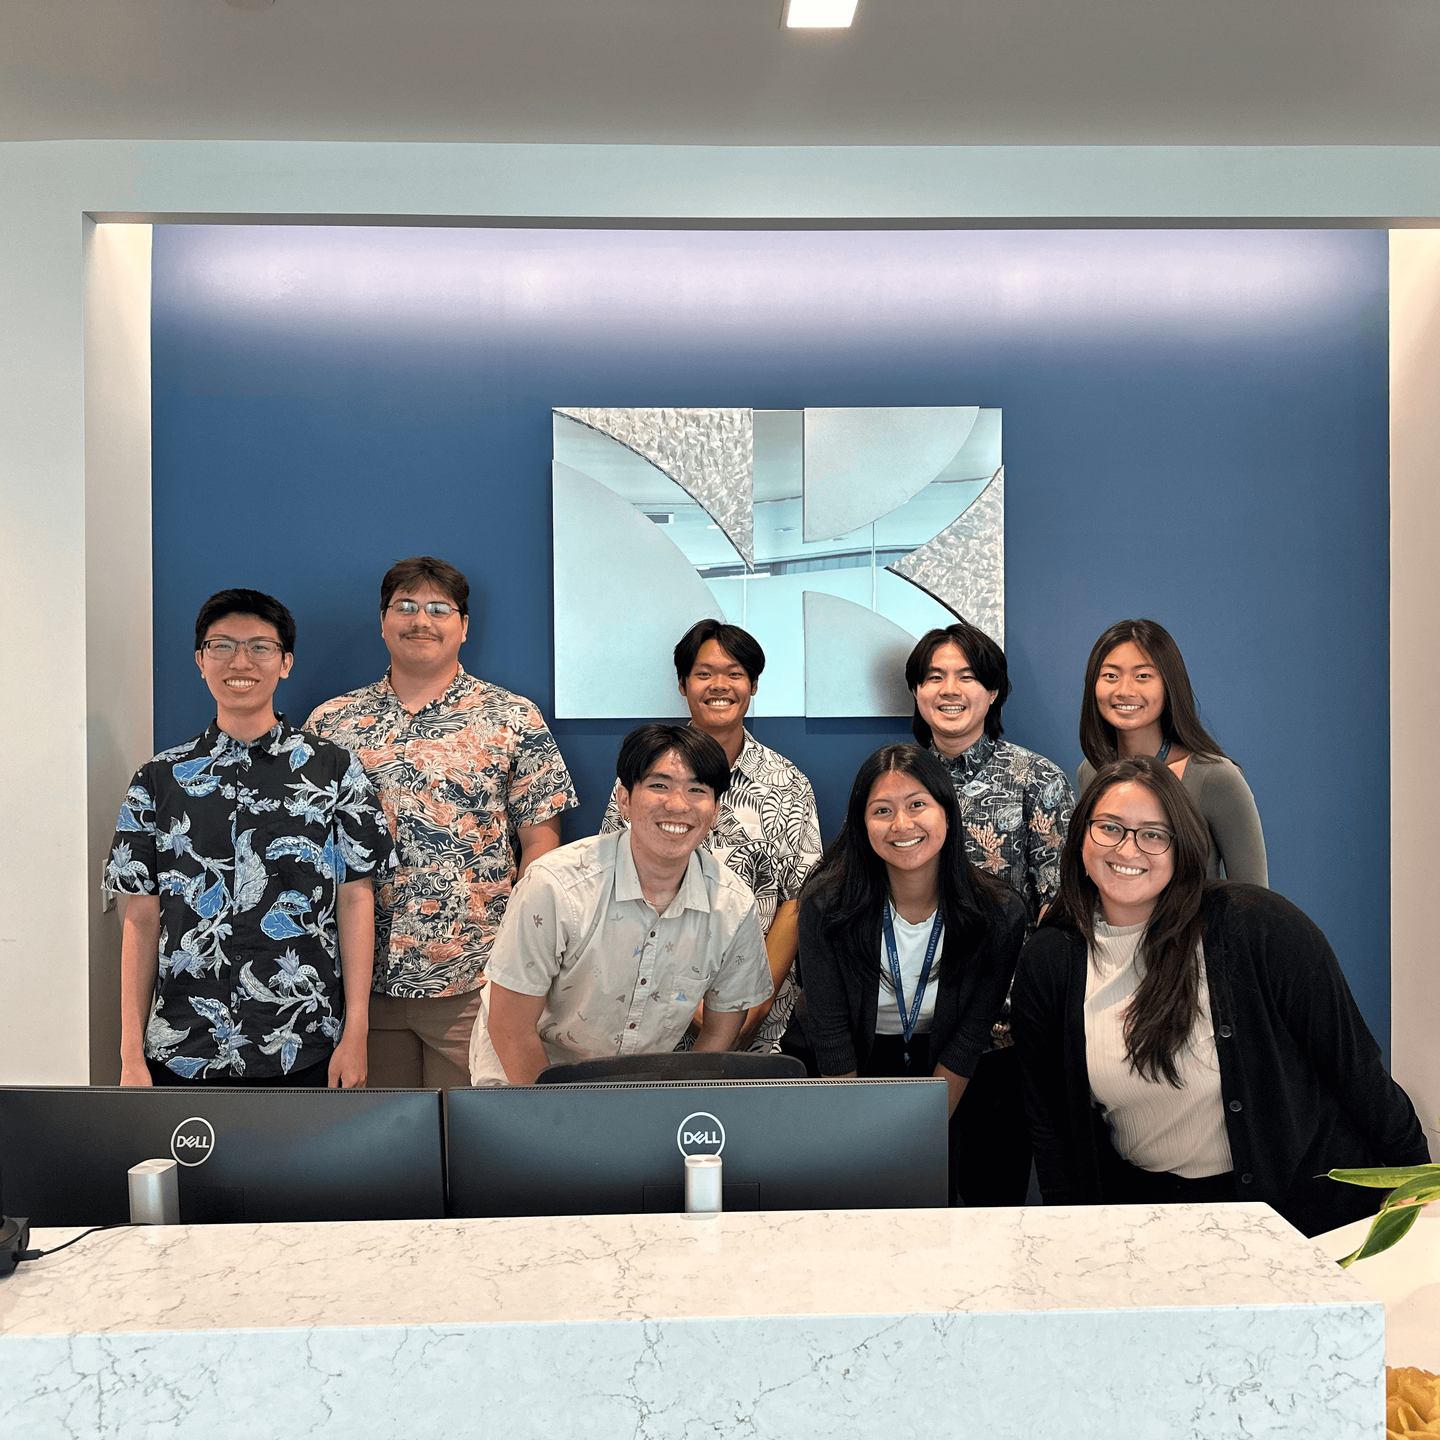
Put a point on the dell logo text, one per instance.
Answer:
(193, 1141)
(700, 1134)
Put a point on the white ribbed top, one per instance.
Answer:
(1152, 1124)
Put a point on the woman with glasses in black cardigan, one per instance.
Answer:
(1185, 1040)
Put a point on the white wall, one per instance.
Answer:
(54, 541)
(1415, 666)
(118, 633)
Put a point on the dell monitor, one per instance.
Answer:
(620, 1147)
(244, 1155)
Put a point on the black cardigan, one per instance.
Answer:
(840, 1007)
(1301, 1077)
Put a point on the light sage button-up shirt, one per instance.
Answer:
(620, 979)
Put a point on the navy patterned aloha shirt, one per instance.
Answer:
(1015, 806)
(246, 846)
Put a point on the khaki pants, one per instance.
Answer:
(421, 1044)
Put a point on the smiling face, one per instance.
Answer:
(717, 689)
(243, 685)
(1129, 880)
(906, 824)
(1129, 690)
(669, 810)
(423, 642)
(952, 702)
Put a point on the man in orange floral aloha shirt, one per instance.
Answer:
(473, 787)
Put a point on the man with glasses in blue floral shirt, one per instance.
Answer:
(248, 855)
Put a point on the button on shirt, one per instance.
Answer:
(767, 832)
(246, 845)
(620, 979)
(456, 780)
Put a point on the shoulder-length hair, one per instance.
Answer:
(986, 659)
(1167, 1000)
(1179, 723)
(856, 885)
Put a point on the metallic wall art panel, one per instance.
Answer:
(963, 567)
(706, 452)
(863, 464)
(606, 624)
(765, 518)
(854, 660)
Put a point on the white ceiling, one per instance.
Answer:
(723, 71)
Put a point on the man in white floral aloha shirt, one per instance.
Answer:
(767, 830)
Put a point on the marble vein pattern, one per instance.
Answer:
(710, 454)
(963, 567)
(1189, 1321)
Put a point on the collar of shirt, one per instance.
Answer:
(459, 687)
(748, 760)
(691, 895)
(273, 741)
(972, 761)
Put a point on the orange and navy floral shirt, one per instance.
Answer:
(456, 781)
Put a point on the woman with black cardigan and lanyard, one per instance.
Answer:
(1185, 1040)
(906, 950)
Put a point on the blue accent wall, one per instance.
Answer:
(1195, 430)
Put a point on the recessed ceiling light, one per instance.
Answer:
(819, 14)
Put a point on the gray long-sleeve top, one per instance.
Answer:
(1237, 843)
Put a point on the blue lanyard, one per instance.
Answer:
(1163, 753)
(908, 1024)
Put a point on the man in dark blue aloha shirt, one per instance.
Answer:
(247, 854)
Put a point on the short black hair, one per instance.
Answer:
(421, 570)
(986, 659)
(740, 645)
(247, 602)
(643, 747)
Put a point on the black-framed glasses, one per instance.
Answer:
(439, 609)
(223, 648)
(1149, 839)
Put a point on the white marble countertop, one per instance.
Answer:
(1182, 1323)
(652, 1267)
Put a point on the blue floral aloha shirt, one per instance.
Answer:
(246, 846)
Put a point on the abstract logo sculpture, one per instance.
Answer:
(835, 536)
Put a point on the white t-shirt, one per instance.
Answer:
(910, 943)
(1152, 1124)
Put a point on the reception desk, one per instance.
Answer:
(1188, 1321)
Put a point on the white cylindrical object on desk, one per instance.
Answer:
(155, 1193)
(702, 1185)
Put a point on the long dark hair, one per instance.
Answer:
(856, 884)
(1167, 1000)
(986, 659)
(1179, 723)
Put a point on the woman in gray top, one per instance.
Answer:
(1138, 701)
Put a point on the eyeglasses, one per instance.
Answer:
(1149, 839)
(438, 608)
(224, 648)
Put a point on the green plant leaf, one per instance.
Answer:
(1386, 1179)
(1421, 1190)
(1389, 1226)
